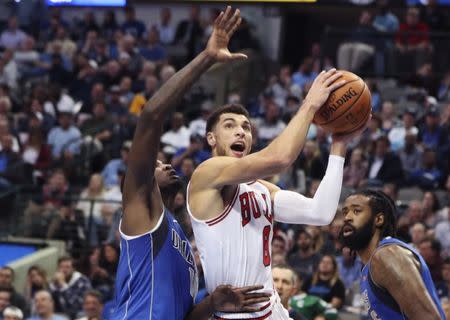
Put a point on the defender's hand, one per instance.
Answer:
(321, 88)
(224, 27)
(232, 299)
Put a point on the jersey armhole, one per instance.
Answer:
(127, 237)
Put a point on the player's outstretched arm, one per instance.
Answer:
(279, 154)
(397, 270)
(292, 207)
(141, 198)
(226, 298)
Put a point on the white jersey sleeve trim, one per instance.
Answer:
(127, 237)
(217, 218)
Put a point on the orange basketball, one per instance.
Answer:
(348, 108)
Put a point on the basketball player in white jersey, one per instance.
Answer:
(232, 209)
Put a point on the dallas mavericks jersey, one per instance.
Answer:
(380, 305)
(156, 276)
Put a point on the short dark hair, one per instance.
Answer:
(381, 202)
(94, 293)
(65, 258)
(228, 108)
(10, 269)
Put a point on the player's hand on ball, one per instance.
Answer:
(226, 298)
(323, 85)
(347, 137)
(224, 27)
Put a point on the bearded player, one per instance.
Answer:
(232, 209)
(395, 280)
(156, 277)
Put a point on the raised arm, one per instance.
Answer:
(292, 207)
(279, 154)
(397, 270)
(141, 198)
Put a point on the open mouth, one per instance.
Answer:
(238, 148)
(347, 230)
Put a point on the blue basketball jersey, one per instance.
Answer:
(156, 276)
(380, 305)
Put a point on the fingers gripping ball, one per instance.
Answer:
(348, 107)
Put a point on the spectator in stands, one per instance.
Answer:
(353, 54)
(9, 72)
(92, 306)
(12, 313)
(110, 173)
(132, 25)
(94, 192)
(388, 117)
(165, 28)
(189, 33)
(444, 88)
(151, 85)
(153, 50)
(430, 209)
(384, 165)
(432, 134)
(349, 268)
(428, 176)
(65, 138)
(418, 232)
(386, 23)
(430, 249)
(442, 232)
(6, 281)
(271, 125)
(45, 307)
(68, 286)
(326, 283)
(398, 132)
(12, 37)
(11, 166)
(68, 226)
(198, 125)
(131, 54)
(300, 304)
(109, 24)
(178, 136)
(36, 152)
(414, 212)
(5, 299)
(442, 288)
(310, 161)
(36, 281)
(411, 155)
(303, 258)
(355, 172)
(305, 73)
(285, 282)
(412, 41)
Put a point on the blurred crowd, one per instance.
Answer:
(70, 94)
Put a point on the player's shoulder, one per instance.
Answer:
(391, 258)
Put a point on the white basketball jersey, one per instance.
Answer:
(235, 248)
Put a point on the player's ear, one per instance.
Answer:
(379, 220)
(211, 139)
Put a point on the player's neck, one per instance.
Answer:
(367, 252)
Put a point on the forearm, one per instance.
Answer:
(201, 311)
(338, 148)
(289, 143)
(175, 88)
(292, 207)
